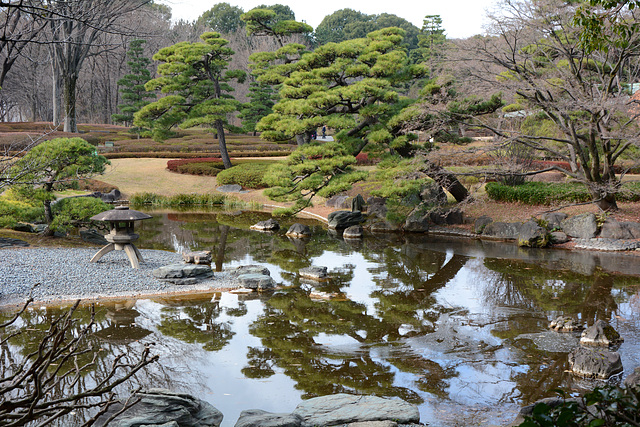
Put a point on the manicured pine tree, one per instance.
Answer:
(134, 95)
(262, 100)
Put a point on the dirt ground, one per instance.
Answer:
(151, 175)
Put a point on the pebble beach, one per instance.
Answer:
(55, 275)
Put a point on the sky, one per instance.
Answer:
(460, 18)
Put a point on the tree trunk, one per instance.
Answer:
(56, 96)
(446, 180)
(70, 124)
(223, 145)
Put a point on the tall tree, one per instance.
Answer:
(196, 80)
(261, 97)
(271, 23)
(431, 41)
(75, 27)
(131, 85)
(222, 18)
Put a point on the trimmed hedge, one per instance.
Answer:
(178, 200)
(247, 175)
(546, 193)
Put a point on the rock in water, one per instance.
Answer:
(343, 219)
(600, 334)
(353, 232)
(268, 225)
(341, 409)
(260, 418)
(299, 230)
(158, 407)
(594, 363)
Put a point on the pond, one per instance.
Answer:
(457, 326)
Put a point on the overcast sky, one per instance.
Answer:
(460, 18)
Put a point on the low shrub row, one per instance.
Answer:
(547, 193)
(187, 155)
(247, 175)
(178, 200)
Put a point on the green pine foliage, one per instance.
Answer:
(247, 175)
(261, 102)
(195, 78)
(134, 95)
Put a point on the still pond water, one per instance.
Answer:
(456, 326)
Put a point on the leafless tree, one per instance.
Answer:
(49, 383)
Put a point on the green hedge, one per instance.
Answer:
(178, 200)
(546, 193)
(247, 175)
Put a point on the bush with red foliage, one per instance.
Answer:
(173, 165)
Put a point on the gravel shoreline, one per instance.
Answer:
(64, 274)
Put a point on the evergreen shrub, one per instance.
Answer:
(247, 175)
(546, 193)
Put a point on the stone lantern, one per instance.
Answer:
(121, 235)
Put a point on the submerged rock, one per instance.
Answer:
(353, 232)
(341, 409)
(299, 230)
(256, 281)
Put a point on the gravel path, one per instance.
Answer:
(66, 274)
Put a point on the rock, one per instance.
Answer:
(25, 227)
(158, 407)
(93, 236)
(343, 219)
(383, 227)
(480, 224)
(433, 194)
(340, 409)
(633, 380)
(386, 423)
(565, 324)
(251, 269)
(554, 219)
(612, 229)
(532, 235)
(110, 197)
(256, 281)
(200, 257)
(183, 274)
(594, 363)
(241, 291)
(314, 273)
(376, 207)
(260, 418)
(417, 221)
(600, 334)
(229, 188)
(558, 237)
(583, 226)
(338, 202)
(357, 203)
(447, 216)
(268, 225)
(353, 232)
(299, 230)
(502, 230)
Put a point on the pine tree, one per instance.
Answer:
(134, 95)
(262, 101)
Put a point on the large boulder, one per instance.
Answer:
(260, 418)
(433, 194)
(339, 409)
(612, 229)
(502, 230)
(533, 235)
(417, 221)
(338, 202)
(93, 236)
(600, 334)
(377, 207)
(268, 225)
(183, 274)
(260, 282)
(554, 219)
(342, 219)
(314, 273)
(481, 223)
(299, 230)
(446, 216)
(159, 407)
(250, 269)
(358, 203)
(633, 380)
(558, 237)
(583, 226)
(594, 363)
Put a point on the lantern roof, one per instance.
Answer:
(120, 213)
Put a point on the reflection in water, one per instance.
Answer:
(455, 326)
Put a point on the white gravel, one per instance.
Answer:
(66, 274)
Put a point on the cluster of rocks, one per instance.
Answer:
(558, 228)
(158, 407)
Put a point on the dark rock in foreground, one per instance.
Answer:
(600, 334)
(299, 230)
(183, 274)
(260, 418)
(594, 363)
(159, 407)
(343, 219)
